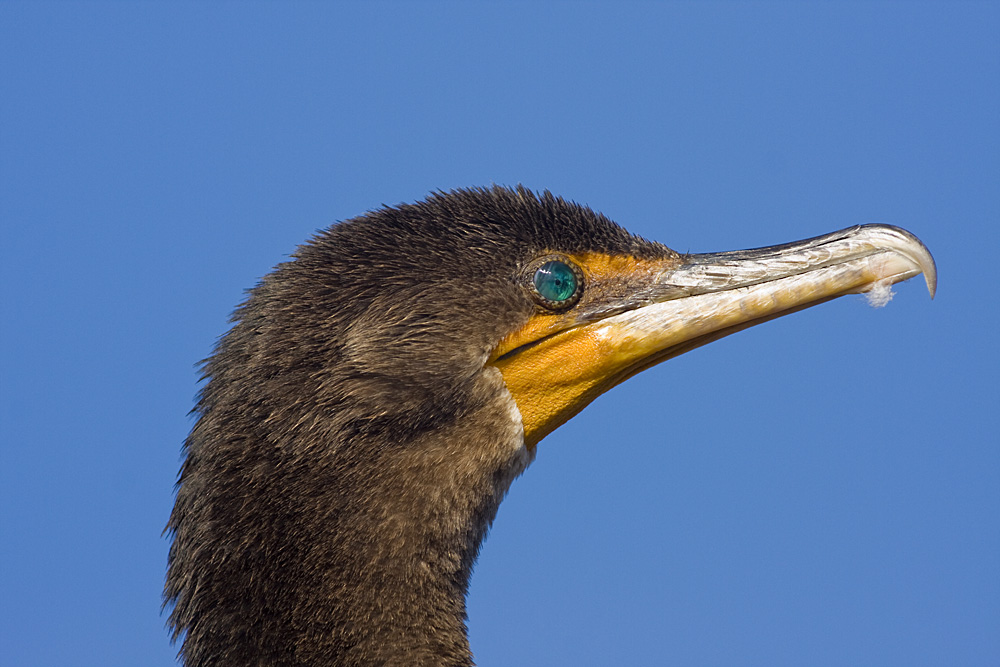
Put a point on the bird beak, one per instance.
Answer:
(685, 302)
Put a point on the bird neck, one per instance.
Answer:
(352, 546)
(391, 572)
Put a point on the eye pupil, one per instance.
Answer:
(555, 281)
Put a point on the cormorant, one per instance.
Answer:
(378, 393)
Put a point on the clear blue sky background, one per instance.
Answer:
(822, 490)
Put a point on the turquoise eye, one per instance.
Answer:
(555, 282)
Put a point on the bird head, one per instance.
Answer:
(404, 306)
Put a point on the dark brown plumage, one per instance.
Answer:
(350, 453)
(365, 415)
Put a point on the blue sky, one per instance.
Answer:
(823, 489)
